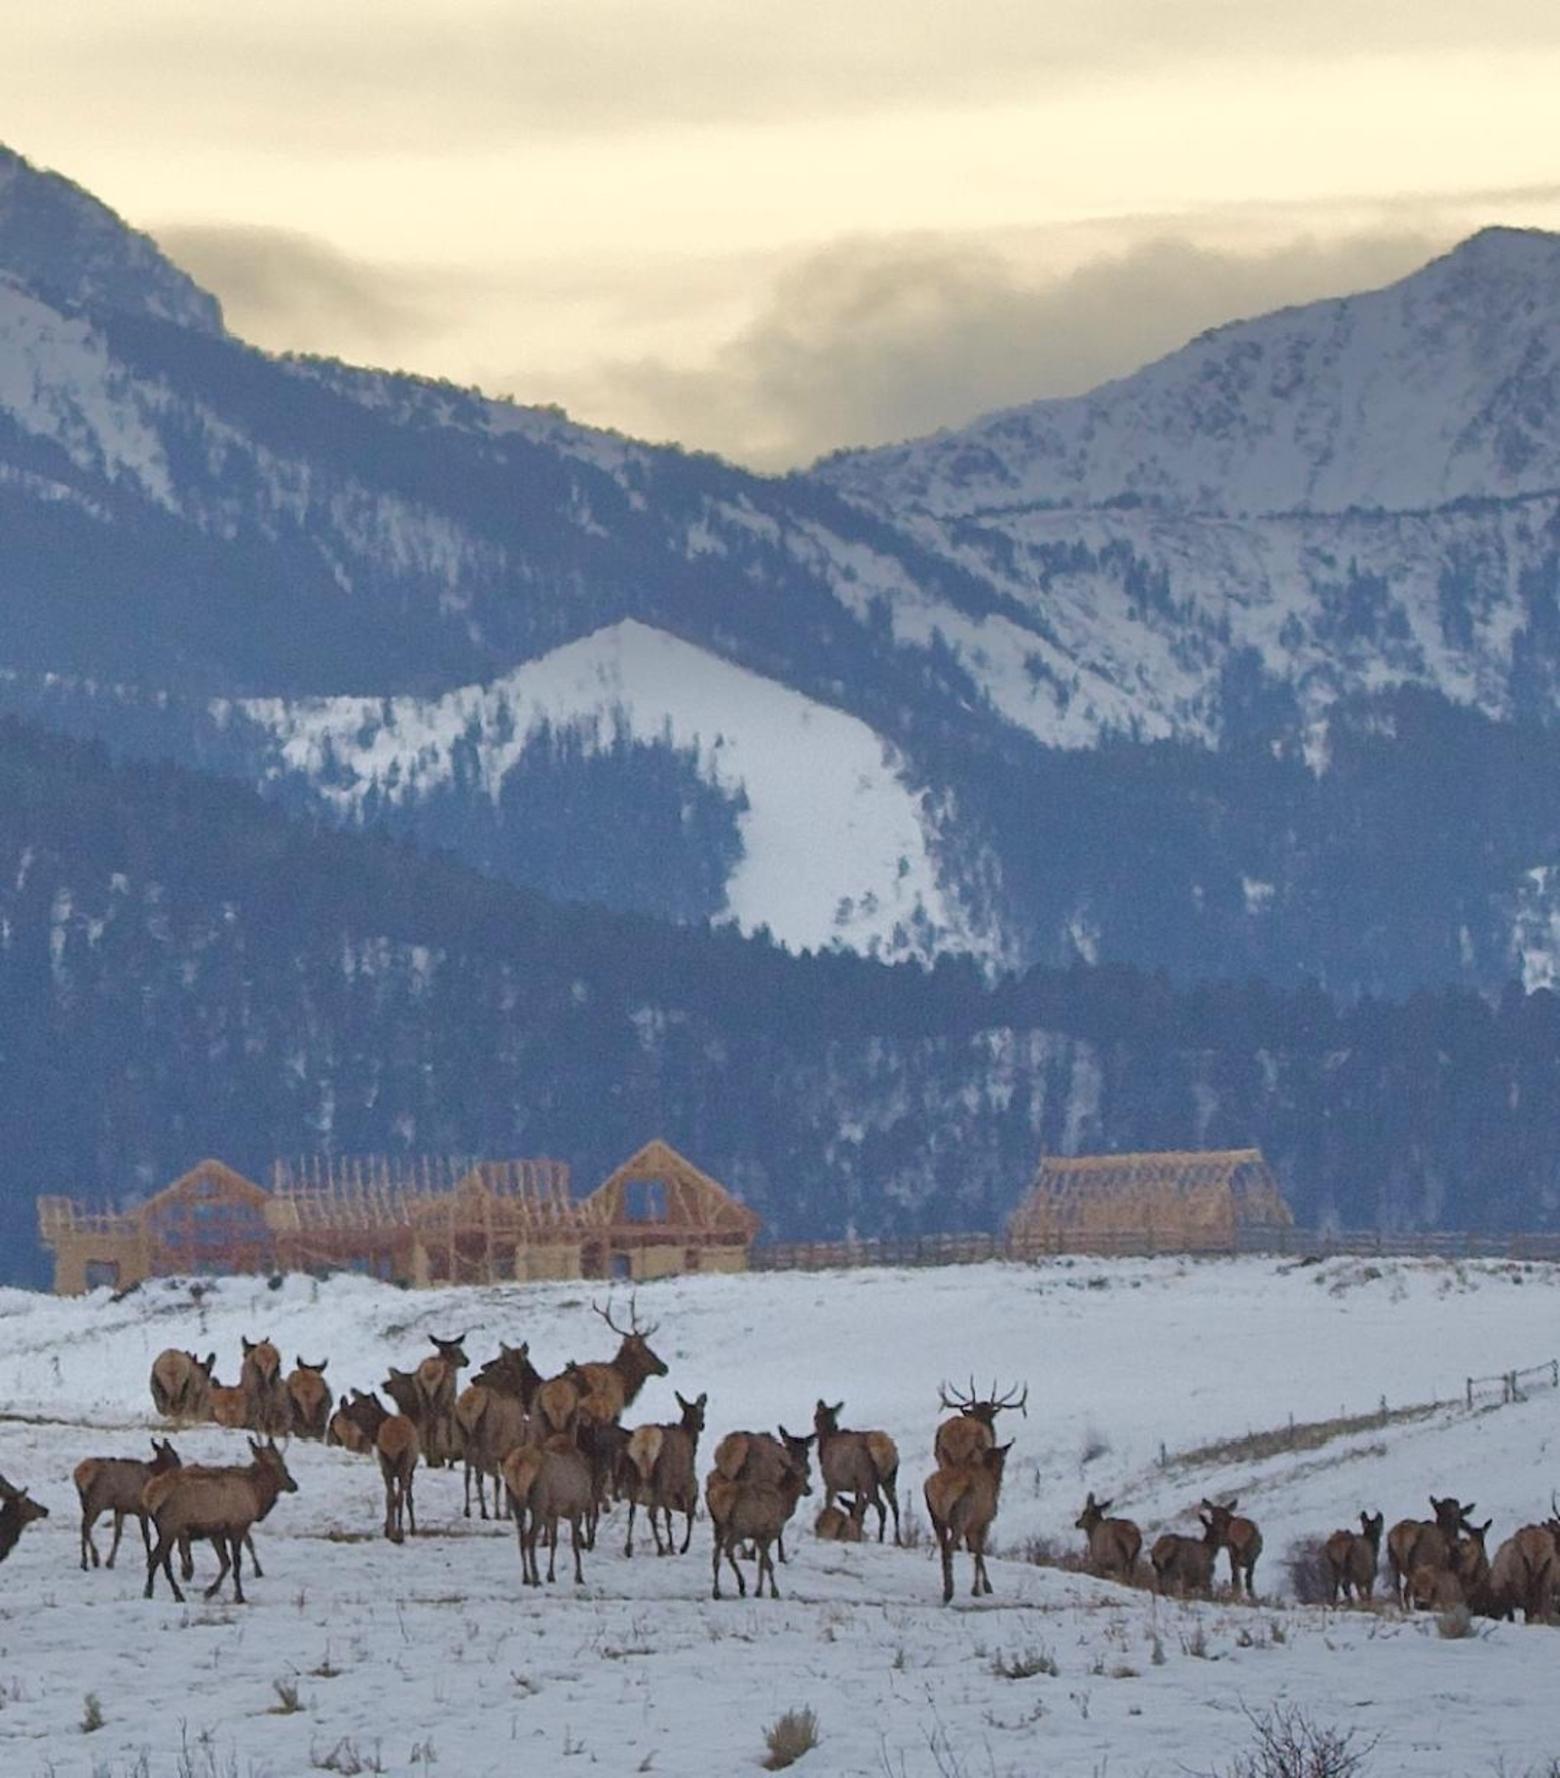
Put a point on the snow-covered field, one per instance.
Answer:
(431, 1657)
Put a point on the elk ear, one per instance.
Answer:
(211, 1363)
(704, 1396)
(1233, 1503)
(1106, 1505)
(248, 1345)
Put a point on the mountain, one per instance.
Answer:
(1151, 676)
(189, 969)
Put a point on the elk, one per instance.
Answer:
(219, 1504)
(546, 1483)
(865, 1464)
(1351, 1559)
(1462, 1579)
(962, 1502)
(229, 1406)
(355, 1424)
(761, 1457)
(492, 1422)
(749, 1510)
(662, 1475)
(18, 1510)
(1425, 1543)
(1114, 1544)
(398, 1448)
(1186, 1562)
(308, 1399)
(1522, 1576)
(436, 1377)
(401, 1387)
(1241, 1538)
(973, 1426)
(606, 1390)
(181, 1383)
(265, 1394)
(114, 1484)
(840, 1523)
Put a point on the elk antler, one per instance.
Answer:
(998, 1403)
(606, 1315)
(959, 1404)
(633, 1319)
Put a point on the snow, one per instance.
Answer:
(837, 846)
(431, 1654)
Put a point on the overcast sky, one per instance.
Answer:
(773, 227)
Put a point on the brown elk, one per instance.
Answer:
(546, 1483)
(491, 1423)
(607, 1389)
(265, 1392)
(1351, 1558)
(1464, 1580)
(1241, 1538)
(18, 1510)
(840, 1523)
(864, 1464)
(762, 1457)
(401, 1387)
(1522, 1576)
(1114, 1544)
(436, 1389)
(962, 1502)
(748, 1510)
(228, 1405)
(220, 1505)
(308, 1399)
(1425, 1543)
(973, 1426)
(398, 1448)
(1186, 1563)
(115, 1484)
(181, 1383)
(663, 1474)
(356, 1422)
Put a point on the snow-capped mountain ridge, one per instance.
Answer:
(1438, 388)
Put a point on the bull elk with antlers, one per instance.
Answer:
(862, 1464)
(974, 1422)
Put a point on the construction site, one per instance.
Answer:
(414, 1220)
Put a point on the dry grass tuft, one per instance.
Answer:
(788, 1737)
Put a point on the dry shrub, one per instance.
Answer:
(788, 1737)
(1306, 1566)
(1286, 1743)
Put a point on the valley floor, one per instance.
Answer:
(358, 1656)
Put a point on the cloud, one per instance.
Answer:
(291, 291)
(870, 340)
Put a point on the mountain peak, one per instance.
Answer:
(1442, 386)
(63, 243)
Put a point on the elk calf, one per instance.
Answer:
(217, 1504)
(1186, 1563)
(115, 1484)
(308, 1399)
(962, 1502)
(1114, 1544)
(752, 1511)
(864, 1464)
(398, 1448)
(1241, 1538)
(663, 1474)
(840, 1523)
(1351, 1558)
(547, 1483)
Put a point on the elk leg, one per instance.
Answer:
(893, 1502)
(628, 1548)
(162, 1555)
(687, 1535)
(146, 1533)
(655, 1527)
(766, 1566)
(254, 1560)
(220, 1545)
(86, 1542)
(731, 1557)
(574, 1534)
(411, 1505)
(1251, 1569)
(468, 1489)
(390, 1507)
(980, 1563)
(237, 1544)
(119, 1531)
(780, 1546)
(945, 1550)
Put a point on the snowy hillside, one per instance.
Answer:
(432, 1654)
(836, 847)
(1441, 387)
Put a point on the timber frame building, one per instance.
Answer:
(1177, 1201)
(410, 1221)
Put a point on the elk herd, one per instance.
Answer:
(554, 1451)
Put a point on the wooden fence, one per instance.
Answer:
(960, 1250)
